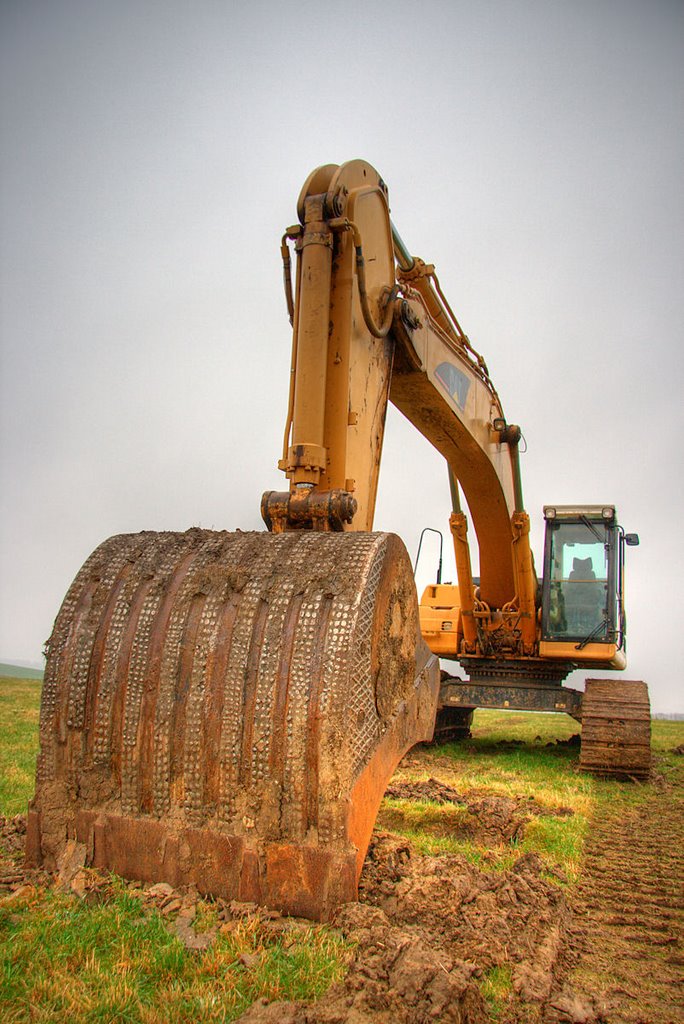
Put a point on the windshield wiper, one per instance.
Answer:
(587, 639)
(592, 528)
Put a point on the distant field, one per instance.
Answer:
(19, 672)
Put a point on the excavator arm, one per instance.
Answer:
(371, 325)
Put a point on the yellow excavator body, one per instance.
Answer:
(225, 709)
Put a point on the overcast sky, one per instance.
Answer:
(152, 154)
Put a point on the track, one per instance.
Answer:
(631, 900)
(616, 728)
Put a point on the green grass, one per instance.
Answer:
(496, 986)
(19, 709)
(434, 829)
(558, 841)
(112, 962)
(508, 756)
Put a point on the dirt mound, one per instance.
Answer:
(395, 978)
(486, 917)
(426, 928)
(499, 819)
(572, 741)
(14, 877)
(482, 817)
(12, 841)
(427, 789)
(13, 836)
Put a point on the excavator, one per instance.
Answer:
(225, 709)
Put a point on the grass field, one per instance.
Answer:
(519, 755)
(19, 708)
(113, 959)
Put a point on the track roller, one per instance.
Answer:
(225, 710)
(616, 728)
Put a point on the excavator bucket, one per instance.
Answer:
(225, 710)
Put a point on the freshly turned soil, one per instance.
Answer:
(427, 928)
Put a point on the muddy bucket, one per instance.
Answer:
(225, 710)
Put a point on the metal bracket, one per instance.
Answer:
(306, 509)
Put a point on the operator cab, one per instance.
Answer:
(583, 616)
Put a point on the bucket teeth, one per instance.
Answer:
(225, 709)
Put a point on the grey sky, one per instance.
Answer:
(152, 154)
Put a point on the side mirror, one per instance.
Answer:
(632, 540)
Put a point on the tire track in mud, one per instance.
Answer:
(630, 901)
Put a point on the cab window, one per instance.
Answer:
(579, 572)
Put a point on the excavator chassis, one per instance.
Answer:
(615, 714)
(225, 710)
